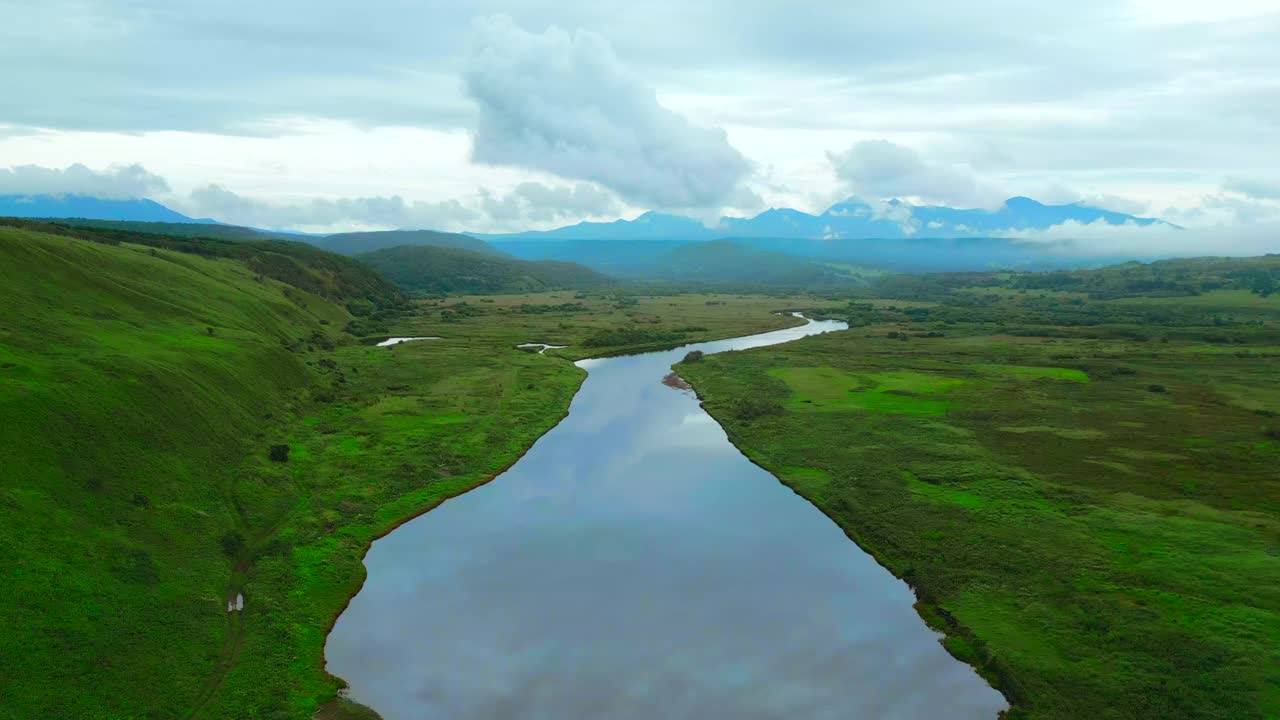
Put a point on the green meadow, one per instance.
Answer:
(183, 422)
(1090, 511)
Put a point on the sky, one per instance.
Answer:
(494, 116)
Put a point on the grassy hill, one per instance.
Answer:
(365, 242)
(295, 263)
(427, 269)
(191, 229)
(179, 428)
(341, 243)
(134, 380)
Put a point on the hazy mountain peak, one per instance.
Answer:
(90, 208)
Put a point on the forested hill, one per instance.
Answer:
(724, 261)
(364, 242)
(1183, 277)
(426, 269)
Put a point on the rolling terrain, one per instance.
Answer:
(438, 270)
(367, 242)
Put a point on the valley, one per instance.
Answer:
(390, 360)
(145, 392)
(1073, 470)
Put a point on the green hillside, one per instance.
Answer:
(207, 230)
(341, 243)
(365, 242)
(295, 263)
(133, 382)
(448, 270)
(179, 428)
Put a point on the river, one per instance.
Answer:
(633, 565)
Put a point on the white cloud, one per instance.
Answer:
(322, 214)
(533, 202)
(1117, 203)
(882, 169)
(528, 204)
(116, 181)
(563, 103)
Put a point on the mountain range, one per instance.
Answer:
(849, 220)
(91, 208)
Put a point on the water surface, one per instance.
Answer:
(397, 340)
(635, 566)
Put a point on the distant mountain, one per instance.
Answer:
(92, 208)
(849, 220)
(649, 226)
(611, 257)
(363, 242)
(643, 259)
(719, 262)
(723, 261)
(428, 269)
(935, 254)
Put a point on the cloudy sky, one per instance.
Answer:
(336, 114)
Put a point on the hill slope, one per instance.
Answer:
(183, 229)
(363, 242)
(451, 270)
(133, 380)
(298, 264)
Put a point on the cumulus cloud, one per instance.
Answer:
(325, 213)
(115, 182)
(538, 203)
(529, 203)
(563, 103)
(883, 169)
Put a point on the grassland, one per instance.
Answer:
(1085, 493)
(144, 392)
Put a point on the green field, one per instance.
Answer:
(1090, 510)
(142, 390)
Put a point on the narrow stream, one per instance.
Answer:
(634, 565)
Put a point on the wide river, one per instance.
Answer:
(635, 566)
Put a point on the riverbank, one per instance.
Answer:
(1093, 518)
(718, 317)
